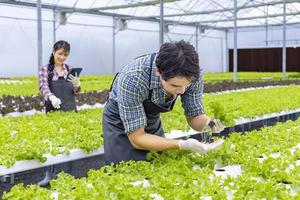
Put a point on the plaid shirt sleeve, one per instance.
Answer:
(130, 100)
(192, 99)
(43, 82)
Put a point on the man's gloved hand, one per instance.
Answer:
(196, 146)
(75, 80)
(55, 101)
(214, 126)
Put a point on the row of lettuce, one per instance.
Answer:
(31, 137)
(269, 160)
(29, 85)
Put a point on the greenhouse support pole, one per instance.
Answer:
(284, 42)
(161, 23)
(197, 31)
(114, 45)
(222, 54)
(54, 26)
(267, 34)
(226, 69)
(267, 28)
(235, 55)
(39, 34)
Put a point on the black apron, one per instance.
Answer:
(117, 146)
(63, 90)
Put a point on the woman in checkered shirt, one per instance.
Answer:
(56, 85)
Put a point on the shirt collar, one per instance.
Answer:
(64, 67)
(155, 80)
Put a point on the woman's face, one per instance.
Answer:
(60, 56)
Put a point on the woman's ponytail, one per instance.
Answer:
(51, 60)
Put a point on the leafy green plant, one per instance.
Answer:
(172, 174)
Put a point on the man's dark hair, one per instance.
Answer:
(178, 59)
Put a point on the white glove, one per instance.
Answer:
(196, 146)
(75, 80)
(213, 125)
(55, 101)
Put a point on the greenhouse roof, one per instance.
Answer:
(210, 13)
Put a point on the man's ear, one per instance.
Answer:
(158, 72)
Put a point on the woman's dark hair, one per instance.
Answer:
(178, 59)
(58, 45)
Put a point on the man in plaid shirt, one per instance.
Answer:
(142, 90)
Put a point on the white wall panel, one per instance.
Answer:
(256, 37)
(91, 45)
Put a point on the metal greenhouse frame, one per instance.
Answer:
(213, 14)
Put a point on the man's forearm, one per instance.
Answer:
(198, 122)
(141, 140)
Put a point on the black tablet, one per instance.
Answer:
(75, 71)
